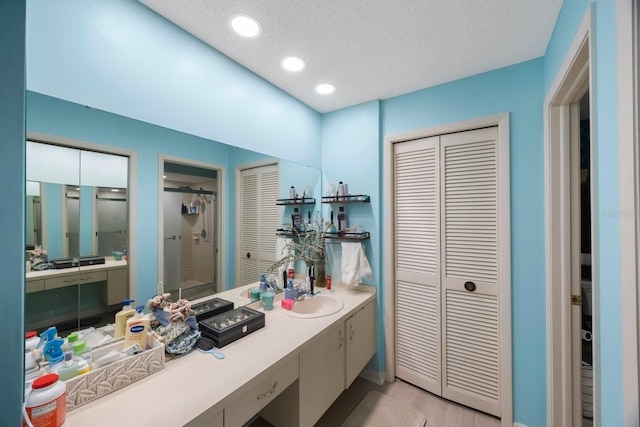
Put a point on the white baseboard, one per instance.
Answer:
(519, 425)
(373, 376)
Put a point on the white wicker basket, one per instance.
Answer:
(102, 381)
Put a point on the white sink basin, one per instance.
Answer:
(316, 306)
(243, 296)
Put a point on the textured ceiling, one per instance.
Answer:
(370, 49)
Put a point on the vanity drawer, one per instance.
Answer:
(91, 277)
(241, 411)
(35, 285)
(75, 279)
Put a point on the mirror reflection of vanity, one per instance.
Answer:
(77, 211)
(65, 216)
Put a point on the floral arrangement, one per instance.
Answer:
(307, 246)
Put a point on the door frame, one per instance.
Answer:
(504, 209)
(572, 80)
(221, 237)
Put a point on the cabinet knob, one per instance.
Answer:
(248, 255)
(470, 286)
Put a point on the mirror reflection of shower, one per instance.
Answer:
(190, 230)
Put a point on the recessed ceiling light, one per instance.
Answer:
(245, 25)
(325, 88)
(293, 63)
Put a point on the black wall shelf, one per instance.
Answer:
(351, 198)
(299, 201)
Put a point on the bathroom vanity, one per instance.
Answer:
(53, 296)
(289, 372)
(112, 272)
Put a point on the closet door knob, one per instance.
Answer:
(470, 286)
(248, 254)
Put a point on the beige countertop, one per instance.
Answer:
(197, 382)
(44, 274)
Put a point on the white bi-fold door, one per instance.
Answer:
(258, 220)
(447, 266)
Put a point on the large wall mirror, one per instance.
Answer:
(76, 234)
(219, 220)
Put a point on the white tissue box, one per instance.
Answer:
(102, 381)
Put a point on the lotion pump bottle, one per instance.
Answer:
(122, 316)
(137, 329)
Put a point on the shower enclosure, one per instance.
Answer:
(190, 241)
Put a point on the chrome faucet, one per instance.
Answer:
(273, 284)
(299, 294)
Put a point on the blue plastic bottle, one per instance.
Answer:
(263, 283)
(288, 293)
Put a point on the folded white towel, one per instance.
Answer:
(355, 265)
(283, 249)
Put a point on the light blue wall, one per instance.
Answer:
(121, 57)
(12, 194)
(351, 153)
(607, 289)
(517, 90)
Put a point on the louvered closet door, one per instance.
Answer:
(258, 221)
(470, 318)
(417, 263)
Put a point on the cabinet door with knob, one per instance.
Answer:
(322, 368)
(360, 334)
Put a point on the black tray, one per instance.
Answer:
(213, 307)
(75, 262)
(232, 325)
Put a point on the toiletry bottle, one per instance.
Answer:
(342, 221)
(80, 350)
(124, 253)
(288, 293)
(137, 328)
(53, 353)
(70, 368)
(292, 192)
(263, 283)
(31, 340)
(296, 219)
(340, 190)
(46, 406)
(332, 227)
(122, 316)
(83, 366)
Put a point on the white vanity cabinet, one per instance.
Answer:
(361, 342)
(322, 368)
(261, 394)
(330, 366)
(117, 288)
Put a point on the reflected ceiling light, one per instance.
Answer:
(164, 176)
(293, 63)
(245, 26)
(115, 190)
(325, 88)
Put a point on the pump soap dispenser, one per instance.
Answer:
(137, 329)
(122, 316)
